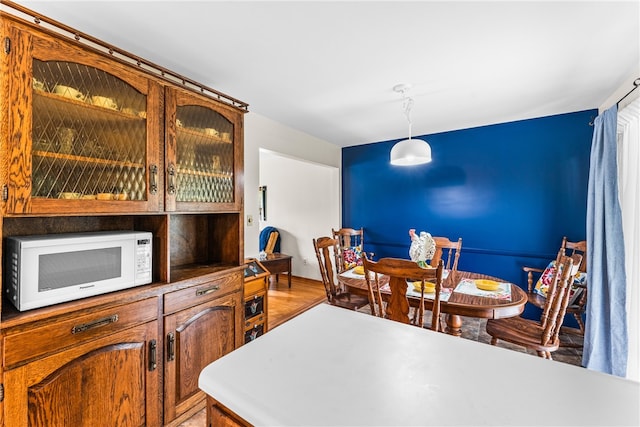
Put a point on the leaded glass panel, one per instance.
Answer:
(89, 134)
(204, 163)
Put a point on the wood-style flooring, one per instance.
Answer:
(286, 303)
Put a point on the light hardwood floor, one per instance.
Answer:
(286, 303)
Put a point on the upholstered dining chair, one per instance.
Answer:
(448, 251)
(399, 271)
(578, 294)
(542, 336)
(326, 248)
(350, 247)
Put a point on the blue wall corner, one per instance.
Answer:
(510, 190)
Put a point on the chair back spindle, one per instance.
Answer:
(447, 250)
(558, 298)
(399, 271)
(542, 336)
(326, 248)
(350, 247)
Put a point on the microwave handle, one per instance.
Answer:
(95, 324)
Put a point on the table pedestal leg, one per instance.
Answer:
(454, 325)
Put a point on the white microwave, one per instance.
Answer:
(54, 268)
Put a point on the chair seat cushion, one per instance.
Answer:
(351, 256)
(518, 330)
(542, 285)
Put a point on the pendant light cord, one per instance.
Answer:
(407, 105)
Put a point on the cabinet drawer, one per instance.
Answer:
(253, 333)
(254, 287)
(51, 338)
(256, 320)
(188, 297)
(254, 306)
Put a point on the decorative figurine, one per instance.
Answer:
(422, 247)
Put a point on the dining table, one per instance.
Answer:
(459, 297)
(331, 366)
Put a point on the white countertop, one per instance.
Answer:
(335, 367)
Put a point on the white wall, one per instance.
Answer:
(302, 203)
(263, 133)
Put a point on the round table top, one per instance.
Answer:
(460, 304)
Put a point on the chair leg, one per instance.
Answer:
(578, 318)
(494, 340)
(443, 324)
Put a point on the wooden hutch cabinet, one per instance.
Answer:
(96, 139)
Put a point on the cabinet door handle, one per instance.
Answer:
(201, 292)
(153, 185)
(171, 177)
(152, 355)
(171, 346)
(96, 324)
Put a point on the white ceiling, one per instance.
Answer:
(328, 68)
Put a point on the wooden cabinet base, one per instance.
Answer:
(220, 416)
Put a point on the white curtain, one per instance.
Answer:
(628, 139)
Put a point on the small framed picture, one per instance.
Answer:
(253, 269)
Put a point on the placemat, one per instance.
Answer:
(351, 275)
(468, 286)
(445, 293)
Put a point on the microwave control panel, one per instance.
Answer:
(143, 260)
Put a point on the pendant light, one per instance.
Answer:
(412, 151)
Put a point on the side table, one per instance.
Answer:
(278, 263)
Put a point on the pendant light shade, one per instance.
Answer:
(409, 152)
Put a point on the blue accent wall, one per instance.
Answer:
(511, 191)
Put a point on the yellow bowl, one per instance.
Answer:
(429, 287)
(358, 269)
(104, 196)
(68, 195)
(104, 101)
(487, 285)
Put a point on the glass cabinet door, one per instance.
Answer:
(88, 134)
(85, 144)
(202, 156)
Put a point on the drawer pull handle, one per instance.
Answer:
(171, 346)
(201, 292)
(100, 322)
(153, 186)
(152, 355)
(171, 178)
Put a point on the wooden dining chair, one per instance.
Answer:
(399, 271)
(449, 250)
(325, 248)
(541, 336)
(350, 247)
(577, 302)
